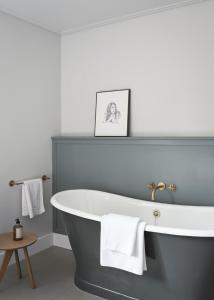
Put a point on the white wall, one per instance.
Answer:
(166, 59)
(29, 114)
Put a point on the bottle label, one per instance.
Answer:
(19, 233)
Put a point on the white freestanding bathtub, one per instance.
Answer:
(179, 247)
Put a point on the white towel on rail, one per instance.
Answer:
(122, 243)
(32, 198)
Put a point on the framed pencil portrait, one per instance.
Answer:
(112, 113)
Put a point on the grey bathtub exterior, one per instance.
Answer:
(179, 267)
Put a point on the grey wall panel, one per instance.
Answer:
(125, 165)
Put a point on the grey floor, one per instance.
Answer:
(53, 271)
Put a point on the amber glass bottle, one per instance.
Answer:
(17, 231)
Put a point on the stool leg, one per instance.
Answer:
(6, 259)
(29, 269)
(18, 267)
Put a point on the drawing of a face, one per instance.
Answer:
(112, 114)
(113, 108)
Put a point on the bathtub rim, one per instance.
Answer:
(148, 228)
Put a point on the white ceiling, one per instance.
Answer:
(66, 16)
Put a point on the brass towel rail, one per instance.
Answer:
(13, 182)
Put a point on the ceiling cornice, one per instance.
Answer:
(31, 21)
(138, 14)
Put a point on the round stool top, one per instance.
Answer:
(7, 242)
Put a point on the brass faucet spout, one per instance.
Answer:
(153, 194)
(153, 187)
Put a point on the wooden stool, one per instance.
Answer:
(9, 245)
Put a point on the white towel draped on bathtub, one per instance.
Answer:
(32, 198)
(122, 243)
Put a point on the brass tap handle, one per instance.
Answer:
(172, 187)
(151, 186)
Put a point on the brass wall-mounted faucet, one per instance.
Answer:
(154, 187)
(161, 186)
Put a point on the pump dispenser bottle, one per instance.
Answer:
(17, 231)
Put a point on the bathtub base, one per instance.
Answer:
(179, 267)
